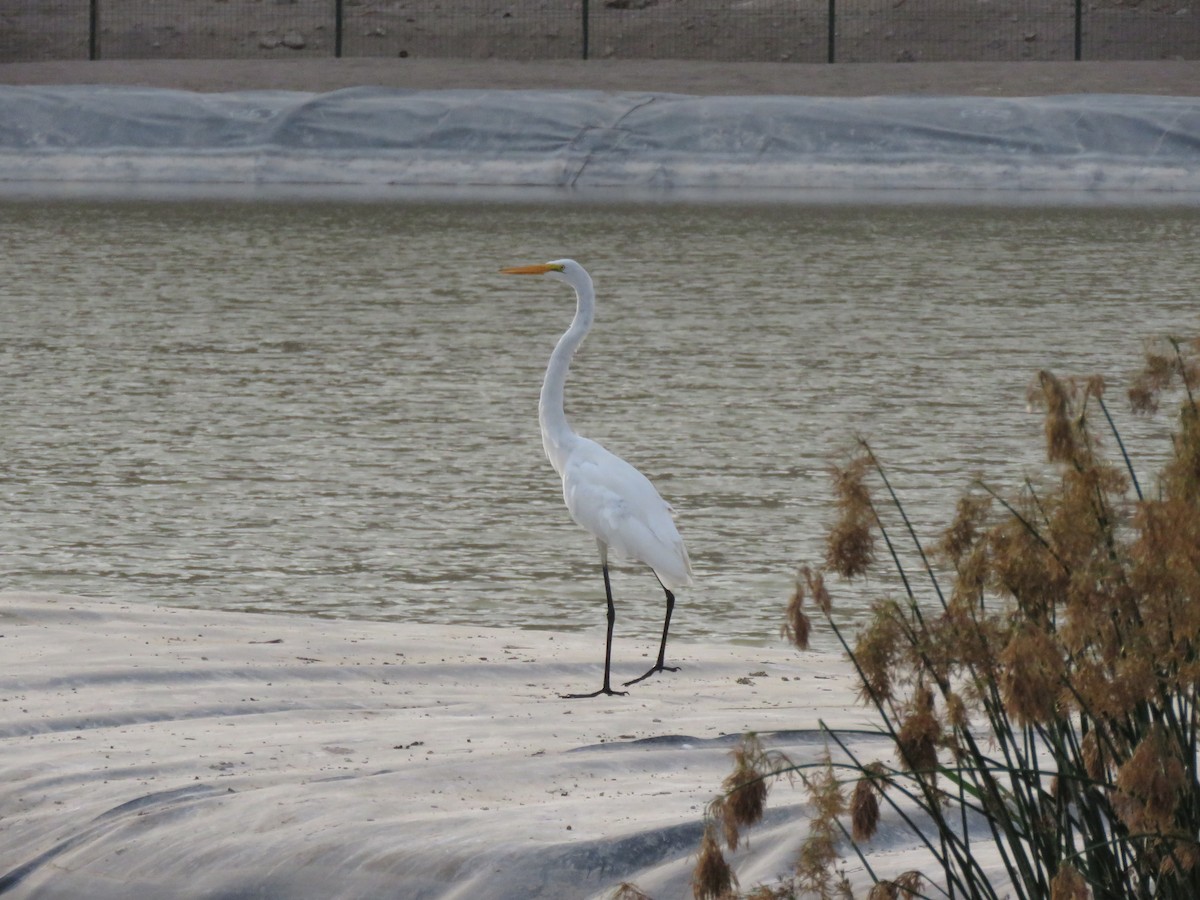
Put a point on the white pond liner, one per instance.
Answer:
(641, 144)
(155, 752)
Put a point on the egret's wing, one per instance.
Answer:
(619, 506)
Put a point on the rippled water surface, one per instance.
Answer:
(332, 409)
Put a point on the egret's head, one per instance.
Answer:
(559, 269)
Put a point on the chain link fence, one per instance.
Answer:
(730, 30)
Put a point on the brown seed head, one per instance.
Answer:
(1184, 856)
(1150, 784)
(629, 891)
(1068, 884)
(864, 810)
(797, 625)
(815, 579)
(877, 649)
(850, 545)
(964, 531)
(745, 790)
(1093, 759)
(712, 879)
(919, 733)
(1032, 673)
(909, 884)
(1051, 393)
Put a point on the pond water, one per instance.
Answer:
(331, 409)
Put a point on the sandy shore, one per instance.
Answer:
(1175, 77)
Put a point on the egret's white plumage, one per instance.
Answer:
(620, 507)
(605, 495)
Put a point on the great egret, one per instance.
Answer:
(604, 494)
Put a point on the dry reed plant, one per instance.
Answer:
(1044, 708)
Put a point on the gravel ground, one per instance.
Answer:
(1010, 79)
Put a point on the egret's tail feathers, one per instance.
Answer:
(678, 574)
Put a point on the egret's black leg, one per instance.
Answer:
(661, 665)
(612, 618)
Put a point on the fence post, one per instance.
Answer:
(1078, 30)
(833, 29)
(93, 23)
(337, 28)
(585, 29)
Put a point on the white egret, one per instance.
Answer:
(605, 494)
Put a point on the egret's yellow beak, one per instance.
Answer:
(530, 270)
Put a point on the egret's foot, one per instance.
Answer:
(658, 668)
(604, 690)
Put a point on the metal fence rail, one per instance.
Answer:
(763, 30)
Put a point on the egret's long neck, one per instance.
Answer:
(557, 435)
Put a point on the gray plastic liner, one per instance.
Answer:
(652, 144)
